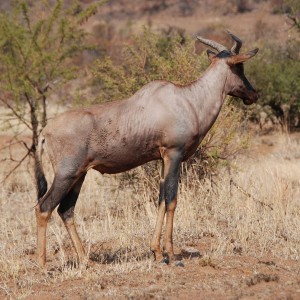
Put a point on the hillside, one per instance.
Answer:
(250, 19)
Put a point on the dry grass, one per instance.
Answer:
(253, 211)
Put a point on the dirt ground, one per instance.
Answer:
(236, 277)
(231, 277)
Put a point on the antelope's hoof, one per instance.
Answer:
(179, 263)
(165, 260)
(41, 263)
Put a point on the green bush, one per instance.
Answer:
(277, 72)
(148, 57)
(277, 76)
(38, 44)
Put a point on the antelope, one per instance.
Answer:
(162, 121)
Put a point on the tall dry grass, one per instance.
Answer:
(252, 210)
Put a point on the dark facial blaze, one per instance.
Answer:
(242, 87)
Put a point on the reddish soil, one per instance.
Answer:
(232, 277)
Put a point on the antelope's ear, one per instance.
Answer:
(240, 58)
(210, 54)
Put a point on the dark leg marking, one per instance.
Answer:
(60, 188)
(66, 212)
(167, 203)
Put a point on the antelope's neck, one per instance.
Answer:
(208, 93)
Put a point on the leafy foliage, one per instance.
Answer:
(149, 57)
(277, 73)
(277, 76)
(294, 6)
(35, 52)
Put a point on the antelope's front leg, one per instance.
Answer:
(155, 241)
(167, 203)
(171, 188)
(168, 242)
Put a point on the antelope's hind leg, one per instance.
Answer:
(61, 185)
(41, 222)
(66, 212)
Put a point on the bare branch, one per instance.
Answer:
(16, 167)
(239, 188)
(16, 143)
(295, 20)
(18, 116)
(44, 116)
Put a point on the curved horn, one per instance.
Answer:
(212, 44)
(237, 43)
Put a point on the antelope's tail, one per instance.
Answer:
(40, 179)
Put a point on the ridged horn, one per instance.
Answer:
(212, 44)
(237, 43)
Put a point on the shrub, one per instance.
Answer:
(148, 57)
(37, 53)
(277, 75)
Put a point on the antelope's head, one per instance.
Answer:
(237, 84)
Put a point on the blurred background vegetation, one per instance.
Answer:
(75, 53)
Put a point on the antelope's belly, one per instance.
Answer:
(123, 159)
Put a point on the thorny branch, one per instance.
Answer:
(19, 117)
(239, 188)
(295, 20)
(15, 141)
(33, 127)
(16, 166)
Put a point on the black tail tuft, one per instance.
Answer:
(41, 183)
(40, 179)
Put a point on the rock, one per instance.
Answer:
(190, 252)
